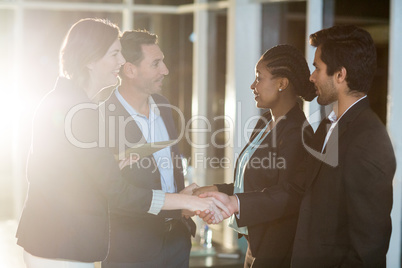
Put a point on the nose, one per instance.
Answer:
(252, 86)
(165, 70)
(312, 77)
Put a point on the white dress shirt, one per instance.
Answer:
(154, 130)
(334, 121)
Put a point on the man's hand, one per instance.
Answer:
(199, 190)
(229, 201)
(208, 205)
(187, 213)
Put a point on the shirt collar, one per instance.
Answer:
(153, 107)
(332, 115)
(154, 111)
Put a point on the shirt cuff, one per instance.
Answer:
(158, 199)
(238, 205)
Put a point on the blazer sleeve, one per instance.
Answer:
(99, 163)
(282, 199)
(368, 174)
(226, 188)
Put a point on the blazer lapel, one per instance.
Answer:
(330, 154)
(343, 124)
(132, 132)
(166, 114)
(265, 118)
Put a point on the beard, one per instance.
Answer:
(327, 94)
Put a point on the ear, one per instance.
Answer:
(283, 83)
(340, 76)
(129, 70)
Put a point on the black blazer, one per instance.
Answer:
(73, 181)
(345, 213)
(275, 162)
(140, 238)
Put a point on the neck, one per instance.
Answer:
(138, 100)
(282, 109)
(344, 102)
(92, 91)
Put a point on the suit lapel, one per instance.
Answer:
(330, 154)
(318, 142)
(333, 143)
(277, 131)
(131, 130)
(165, 113)
(265, 118)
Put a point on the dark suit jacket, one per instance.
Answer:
(345, 213)
(140, 238)
(276, 161)
(71, 188)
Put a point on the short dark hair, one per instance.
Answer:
(287, 61)
(131, 44)
(352, 48)
(87, 41)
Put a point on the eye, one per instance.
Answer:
(115, 53)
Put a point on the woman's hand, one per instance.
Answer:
(229, 201)
(209, 206)
(188, 191)
(200, 190)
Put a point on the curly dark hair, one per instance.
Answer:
(287, 61)
(352, 48)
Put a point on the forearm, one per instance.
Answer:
(275, 203)
(178, 201)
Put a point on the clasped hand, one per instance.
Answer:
(221, 206)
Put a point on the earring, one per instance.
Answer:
(280, 90)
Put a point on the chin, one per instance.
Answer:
(112, 82)
(324, 102)
(261, 106)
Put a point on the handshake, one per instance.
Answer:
(209, 204)
(206, 202)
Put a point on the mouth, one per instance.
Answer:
(116, 72)
(316, 90)
(256, 95)
(159, 80)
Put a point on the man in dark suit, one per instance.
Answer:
(345, 191)
(136, 113)
(345, 212)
